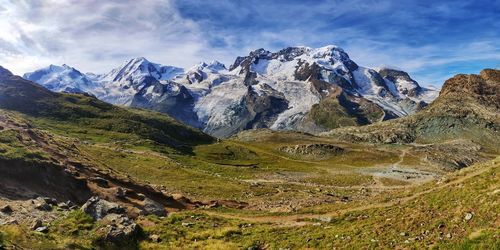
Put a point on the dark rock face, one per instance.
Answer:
(264, 108)
(484, 87)
(398, 75)
(170, 98)
(306, 71)
(257, 109)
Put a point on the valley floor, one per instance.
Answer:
(367, 196)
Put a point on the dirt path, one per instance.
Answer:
(298, 219)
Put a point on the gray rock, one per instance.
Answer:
(63, 206)
(41, 204)
(50, 201)
(153, 207)
(120, 228)
(42, 229)
(66, 205)
(36, 224)
(468, 216)
(98, 208)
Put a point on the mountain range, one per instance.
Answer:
(78, 172)
(297, 88)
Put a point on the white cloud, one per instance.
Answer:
(95, 35)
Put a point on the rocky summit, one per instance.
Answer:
(297, 88)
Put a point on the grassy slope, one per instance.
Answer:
(430, 215)
(88, 118)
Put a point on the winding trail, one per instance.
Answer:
(298, 219)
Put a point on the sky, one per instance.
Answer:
(431, 40)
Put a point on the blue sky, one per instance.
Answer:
(432, 40)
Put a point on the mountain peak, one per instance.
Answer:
(484, 87)
(139, 59)
(4, 72)
(213, 66)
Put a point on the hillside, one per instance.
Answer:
(467, 109)
(162, 185)
(77, 113)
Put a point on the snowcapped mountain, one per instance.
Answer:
(123, 82)
(62, 79)
(296, 88)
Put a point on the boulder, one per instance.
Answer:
(36, 224)
(119, 228)
(98, 208)
(50, 201)
(41, 204)
(153, 207)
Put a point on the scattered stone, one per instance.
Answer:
(325, 219)
(6, 209)
(404, 234)
(120, 193)
(50, 201)
(141, 197)
(468, 216)
(153, 207)
(155, 238)
(98, 208)
(36, 224)
(441, 226)
(41, 204)
(448, 235)
(187, 224)
(42, 229)
(63, 206)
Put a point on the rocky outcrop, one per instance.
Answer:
(317, 149)
(118, 227)
(98, 208)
